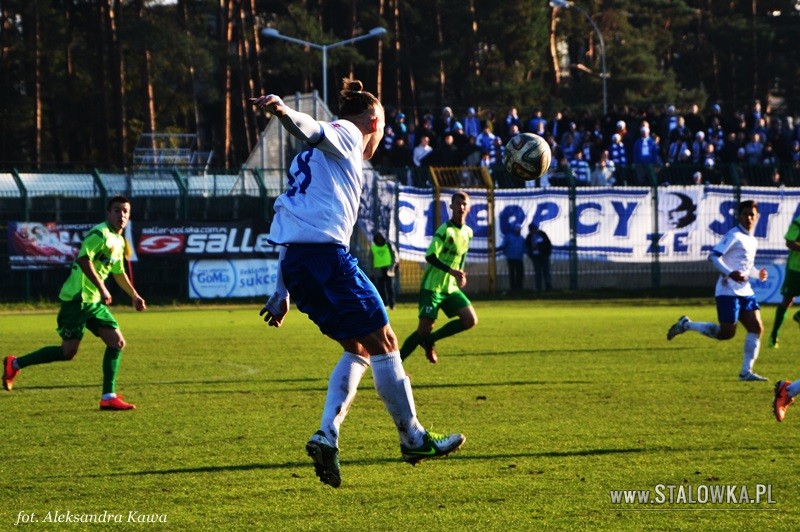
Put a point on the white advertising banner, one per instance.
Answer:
(614, 224)
(611, 224)
(222, 278)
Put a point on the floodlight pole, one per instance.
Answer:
(566, 4)
(272, 32)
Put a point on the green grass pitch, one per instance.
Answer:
(561, 402)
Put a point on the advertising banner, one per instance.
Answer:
(195, 240)
(216, 278)
(43, 245)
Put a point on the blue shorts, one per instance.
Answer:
(325, 282)
(729, 307)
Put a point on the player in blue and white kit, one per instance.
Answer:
(734, 257)
(313, 223)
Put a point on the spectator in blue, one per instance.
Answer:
(537, 123)
(471, 123)
(401, 128)
(512, 119)
(645, 154)
(581, 170)
(617, 151)
(485, 139)
(513, 247)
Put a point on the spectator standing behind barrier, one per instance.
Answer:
(472, 124)
(385, 263)
(580, 170)
(422, 150)
(645, 154)
(513, 246)
(539, 249)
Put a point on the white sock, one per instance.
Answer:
(394, 389)
(706, 328)
(794, 388)
(342, 388)
(752, 343)
(107, 396)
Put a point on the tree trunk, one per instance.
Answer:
(118, 82)
(37, 81)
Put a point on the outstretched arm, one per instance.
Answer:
(298, 124)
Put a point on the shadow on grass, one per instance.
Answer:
(321, 388)
(379, 461)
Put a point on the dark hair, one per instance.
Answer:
(460, 194)
(118, 198)
(748, 204)
(354, 100)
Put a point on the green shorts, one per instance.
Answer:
(430, 302)
(76, 316)
(791, 284)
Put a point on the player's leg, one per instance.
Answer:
(71, 325)
(455, 305)
(105, 326)
(394, 389)
(323, 446)
(342, 387)
(750, 317)
(429, 303)
(789, 290)
(785, 392)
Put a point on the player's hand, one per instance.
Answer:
(762, 274)
(461, 278)
(275, 310)
(105, 296)
(737, 276)
(139, 304)
(271, 103)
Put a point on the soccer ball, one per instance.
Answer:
(527, 156)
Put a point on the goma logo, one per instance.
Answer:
(161, 244)
(212, 278)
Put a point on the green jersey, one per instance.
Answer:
(792, 234)
(106, 249)
(450, 244)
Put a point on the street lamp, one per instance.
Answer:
(272, 32)
(566, 4)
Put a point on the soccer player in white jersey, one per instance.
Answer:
(313, 222)
(734, 256)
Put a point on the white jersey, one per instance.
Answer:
(737, 250)
(320, 204)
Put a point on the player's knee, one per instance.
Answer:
(725, 334)
(70, 352)
(469, 322)
(119, 343)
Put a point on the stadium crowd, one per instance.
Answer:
(625, 147)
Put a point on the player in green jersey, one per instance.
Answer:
(442, 282)
(84, 297)
(791, 283)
